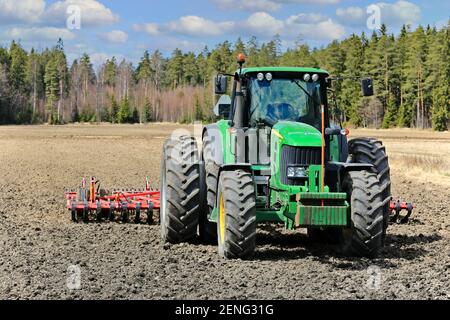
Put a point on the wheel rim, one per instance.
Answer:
(222, 219)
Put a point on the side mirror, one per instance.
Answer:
(223, 107)
(367, 87)
(221, 83)
(329, 83)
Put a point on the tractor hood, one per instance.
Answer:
(297, 134)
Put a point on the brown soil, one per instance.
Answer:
(38, 242)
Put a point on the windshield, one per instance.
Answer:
(284, 100)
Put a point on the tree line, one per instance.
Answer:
(411, 73)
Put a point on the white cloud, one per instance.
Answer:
(255, 5)
(21, 11)
(325, 30)
(93, 13)
(303, 18)
(314, 27)
(392, 14)
(260, 23)
(198, 26)
(150, 28)
(114, 37)
(37, 34)
(193, 26)
(399, 13)
(309, 26)
(352, 15)
(264, 5)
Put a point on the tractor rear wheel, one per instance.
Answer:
(364, 237)
(180, 189)
(372, 151)
(236, 226)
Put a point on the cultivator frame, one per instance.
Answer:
(91, 201)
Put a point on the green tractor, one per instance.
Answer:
(275, 157)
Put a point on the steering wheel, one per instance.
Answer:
(281, 111)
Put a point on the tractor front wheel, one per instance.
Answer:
(180, 189)
(370, 150)
(236, 225)
(364, 237)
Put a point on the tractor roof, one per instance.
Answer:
(283, 69)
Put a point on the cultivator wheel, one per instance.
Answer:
(97, 203)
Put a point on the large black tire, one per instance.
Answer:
(236, 223)
(370, 150)
(207, 229)
(180, 189)
(364, 237)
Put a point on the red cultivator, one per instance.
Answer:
(93, 201)
(397, 207)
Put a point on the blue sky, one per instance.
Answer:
(127, 28)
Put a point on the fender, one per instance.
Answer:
(215, 137)
(337, 170)
(235, 166)
(347, 167)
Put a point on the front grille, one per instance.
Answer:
(297, 156)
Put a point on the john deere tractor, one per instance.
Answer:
(275, 156)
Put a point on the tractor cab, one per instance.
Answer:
(282, 95)
(266, 101)
(277, 94)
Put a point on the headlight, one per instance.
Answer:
(297, 172)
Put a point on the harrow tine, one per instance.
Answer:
(396, 208)
(74, 212)
(137, 218)
(124, 212)
(111, 211)
(150, 212)
(98, 211)
(86, 212)
(409, 208)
